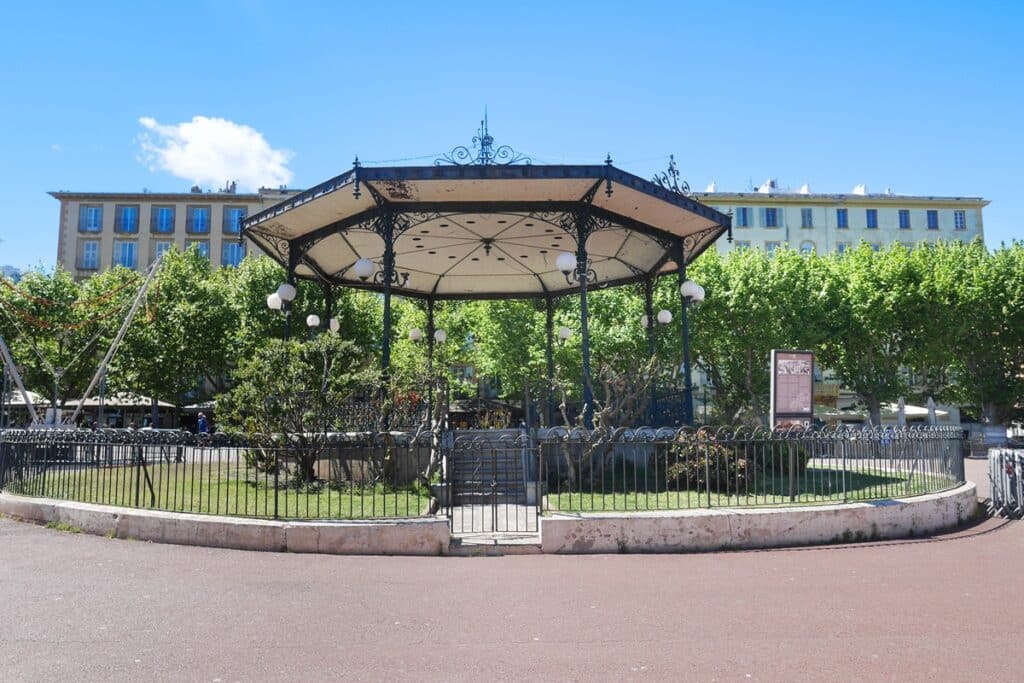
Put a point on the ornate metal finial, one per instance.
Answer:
(670, 178)
(483, 152)
(355, 165)
(608, 180)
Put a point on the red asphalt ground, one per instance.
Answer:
(77, 607)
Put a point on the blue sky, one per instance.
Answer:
(921, 97)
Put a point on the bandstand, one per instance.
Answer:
(486, 223)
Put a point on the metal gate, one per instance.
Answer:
(491, 478)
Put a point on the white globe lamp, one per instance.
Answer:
(313, 320)
(664, 316)
(287, 292)
(274, 302)
(440, 336)
(334, 325)
(564, 333)
(363, 269)
(566, 262)
(415, 334)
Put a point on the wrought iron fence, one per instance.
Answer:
(332, 476)
(652, 469)
(1006, 474)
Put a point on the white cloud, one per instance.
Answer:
(213, 151)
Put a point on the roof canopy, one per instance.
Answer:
(485, 231)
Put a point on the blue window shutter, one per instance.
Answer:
(762, 216)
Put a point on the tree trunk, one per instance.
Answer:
(874, 409)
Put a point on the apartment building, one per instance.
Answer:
(768, 218)
(100, 230)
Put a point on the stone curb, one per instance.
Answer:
(369, 537)
(741, 529)
(636, 532)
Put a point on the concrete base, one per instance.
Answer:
(637, 532)
(428, 536)
(733, 529)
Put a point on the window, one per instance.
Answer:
(232, 253)
(904, 219)
(90, 218)
(875, 246)
(771, 218)
(872, 218)
(162, 219)
(770, 247)
(933, 219)
(161, 248)
(960, 220)
(197, 220)
(233, 216)
(742, 244)
(806, 218)
(90, 256)
(842, 247)
(124, 253)
(202, 246)
(742, 217)
(841, 219)
(807, 247)
(126, 219)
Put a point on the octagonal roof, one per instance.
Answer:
(485, 231)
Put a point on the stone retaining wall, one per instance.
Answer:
(734, 529)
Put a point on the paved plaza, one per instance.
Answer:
(78, 607)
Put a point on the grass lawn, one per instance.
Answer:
(220, 489)
(815, 487)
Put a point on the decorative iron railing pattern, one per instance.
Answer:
(652, 469)
(333, 476)
(405, 474)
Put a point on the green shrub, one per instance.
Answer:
(777, 462)
(703, 465)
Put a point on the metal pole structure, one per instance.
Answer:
(389, 276)
(103, 396)
(16, 376)
(430, 361)
(293, 259)
(549, 328)
(3, 395)
(651, 322)
(117, 340)
(328, 290)
(582, 231)
(687, 380)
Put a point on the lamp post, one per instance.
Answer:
(689, 292)
(576, 269)
(432, 335)
(647, 320)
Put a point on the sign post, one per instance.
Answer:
(792, 389)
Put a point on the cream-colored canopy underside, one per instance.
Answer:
(486, 231)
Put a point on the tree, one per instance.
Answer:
(289, 392)
(977, 324)
(182, 337)
(57, 329)
(876, 323)
(755, 303)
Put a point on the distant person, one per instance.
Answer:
(201, 426)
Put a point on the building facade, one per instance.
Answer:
(768, 218)
(100, 230)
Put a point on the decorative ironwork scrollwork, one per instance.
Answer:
(483, 153)
(670, 179)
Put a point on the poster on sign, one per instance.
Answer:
(792, 389)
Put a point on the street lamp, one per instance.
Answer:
(690, 293)
(281, 300)
(364, 269)
(564, 333)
